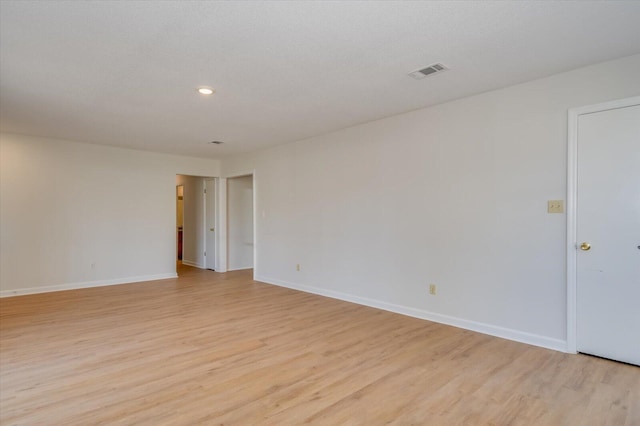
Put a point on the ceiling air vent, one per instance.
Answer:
(430, 70)
(216, 142)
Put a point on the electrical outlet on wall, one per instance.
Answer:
(298, 267)
(432, 289)
(555, 206)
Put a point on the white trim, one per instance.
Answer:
(492, 330)
(86, 284)
(213, 249)
(216, 223)
(194, 264)
(175, 221)
(240, 269)
(224, 222)
(572, 192)
(240, 174)
(606, 106)
(204, 221)
(255, 233)
(221, 235)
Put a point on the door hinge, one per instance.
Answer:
(205, 191)
(205, 253)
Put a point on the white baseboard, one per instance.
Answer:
(239, 269)
(492, 330)
(194, 264)
(87, 284)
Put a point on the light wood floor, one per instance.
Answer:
(213, 348)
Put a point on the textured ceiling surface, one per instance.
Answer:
(125, 73)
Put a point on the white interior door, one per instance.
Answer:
(608, 234)
(210, 219)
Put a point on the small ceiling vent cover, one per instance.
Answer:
(216, 142)
(427, 71)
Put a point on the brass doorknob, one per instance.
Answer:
(585, 246)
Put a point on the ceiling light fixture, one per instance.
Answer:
(205, 90)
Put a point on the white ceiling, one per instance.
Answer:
(125, 73)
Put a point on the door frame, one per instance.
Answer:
(177, 198)
(572, 192)
(207, 249)
(222, 209)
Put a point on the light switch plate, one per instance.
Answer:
(555, 206)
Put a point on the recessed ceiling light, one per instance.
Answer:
(205, 90)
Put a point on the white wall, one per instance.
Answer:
(453, 195)
(193, 233)
(65, 206)
(240, 222)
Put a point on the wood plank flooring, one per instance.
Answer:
(210, 348)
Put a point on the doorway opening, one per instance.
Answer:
(179, 220)
(240, 223)
(196, 218)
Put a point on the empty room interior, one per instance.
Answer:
(330, 212)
